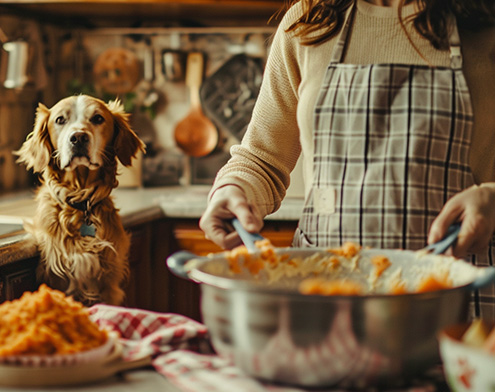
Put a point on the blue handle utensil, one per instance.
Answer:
(247, 238)
(446, 242)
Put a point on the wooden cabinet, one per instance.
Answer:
(18, 277)
(17, 110)
(139, 286)
(83, 13)
(189, 237)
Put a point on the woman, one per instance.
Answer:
(395, 124)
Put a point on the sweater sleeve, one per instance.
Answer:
(261, 164)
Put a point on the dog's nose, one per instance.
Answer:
(79, 139)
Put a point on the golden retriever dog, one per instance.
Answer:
(77, 229)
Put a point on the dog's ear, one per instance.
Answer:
(36, 150)
(126, 143)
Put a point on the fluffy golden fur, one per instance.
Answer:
(83, 245)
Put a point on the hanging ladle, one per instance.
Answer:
(195, 135)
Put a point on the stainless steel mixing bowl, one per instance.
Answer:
(277, 334)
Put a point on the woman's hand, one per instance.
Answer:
(475, 208)
(226, 203)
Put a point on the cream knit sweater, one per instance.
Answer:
(282, 121)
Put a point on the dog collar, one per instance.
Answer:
(87, 228)
(80, 205)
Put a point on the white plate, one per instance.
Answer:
(72, 374)
(94, 354)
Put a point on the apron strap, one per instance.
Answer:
(338, 50)
(455, 44)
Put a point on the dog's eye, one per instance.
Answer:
(97, 119)
(60, 120)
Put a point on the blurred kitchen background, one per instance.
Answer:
(146, 54)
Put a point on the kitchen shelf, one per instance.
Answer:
(148, 13)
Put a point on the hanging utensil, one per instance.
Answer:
(150, 93)
(173, 65)
(174, 59)
(116, 71)
(195, 135)
(18, 64)
(229, 94)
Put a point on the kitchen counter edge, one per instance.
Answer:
(139, 206)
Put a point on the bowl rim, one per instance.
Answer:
(195, 272)
(245, 286)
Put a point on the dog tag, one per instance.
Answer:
(88, 230)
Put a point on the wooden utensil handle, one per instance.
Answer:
(194, 75)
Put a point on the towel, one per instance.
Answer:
(181, 351)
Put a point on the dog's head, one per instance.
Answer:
(79, 130)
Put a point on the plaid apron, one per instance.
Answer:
(391, 146)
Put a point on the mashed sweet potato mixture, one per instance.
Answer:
(47, 322)
(331, 272)
(328, 287)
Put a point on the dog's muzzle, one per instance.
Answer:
(79, 142)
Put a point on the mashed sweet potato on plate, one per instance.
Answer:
(47, 322)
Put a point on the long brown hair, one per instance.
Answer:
(323, 19)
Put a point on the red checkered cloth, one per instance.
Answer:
(181, 352)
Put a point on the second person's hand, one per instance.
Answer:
(226, 203)
(474, 207)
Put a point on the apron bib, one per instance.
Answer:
(391, 146)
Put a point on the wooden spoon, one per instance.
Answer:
(196, 135)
